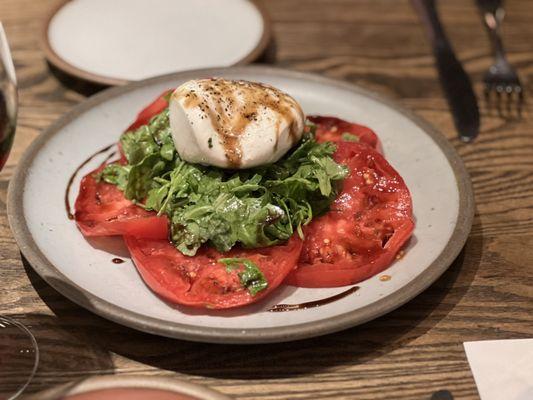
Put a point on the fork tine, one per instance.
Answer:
(509, 91)
(498, 89)
(504, 97)
(516, 99)
(521, 100)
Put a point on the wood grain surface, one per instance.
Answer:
(410, 353)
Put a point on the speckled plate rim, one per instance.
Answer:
(59, 62)
(123, 382)
(134, 320)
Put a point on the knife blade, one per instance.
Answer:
(454, 81)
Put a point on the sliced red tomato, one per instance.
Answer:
(366, 226)
(152, 109)
(202, 281)
(332, 129)
(102, 210)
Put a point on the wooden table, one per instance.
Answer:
(410, 353)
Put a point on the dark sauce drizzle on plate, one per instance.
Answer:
(117, 260)
(70, 215)
(314, 303)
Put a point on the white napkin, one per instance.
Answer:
(502, 369)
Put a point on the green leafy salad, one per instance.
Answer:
(255, 207)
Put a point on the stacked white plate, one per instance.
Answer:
(113, 42)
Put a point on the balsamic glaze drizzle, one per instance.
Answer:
(70, 214)
(314, 303)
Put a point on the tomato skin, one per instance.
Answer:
(201, 281)
(330, 129)
(366, 226)
(154, 108)
(102, 210)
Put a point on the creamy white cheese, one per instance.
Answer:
(233, 124)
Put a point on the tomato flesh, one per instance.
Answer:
(332, 129)
(102, 210)
(202, 281)
(366, 226)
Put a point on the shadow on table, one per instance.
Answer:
(66, 352)
(90, 333)
(87, 88)
(79, 85)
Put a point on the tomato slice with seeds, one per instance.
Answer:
(332, 129)
(202, 281)
(366, 226)
(102, 210)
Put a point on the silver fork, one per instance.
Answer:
(501, 78)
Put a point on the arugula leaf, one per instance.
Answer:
(153, 138)
(251, 277)
(116, 174)
(138, 144)
(257, 207)
(150, 153)
(141, 175)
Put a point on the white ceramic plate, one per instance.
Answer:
(113, 42)
(83, 271)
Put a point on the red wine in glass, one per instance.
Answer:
(19, 354)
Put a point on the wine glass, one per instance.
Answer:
(19, 354)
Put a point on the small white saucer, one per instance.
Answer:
(115, 42)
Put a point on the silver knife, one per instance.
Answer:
(453, 78)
